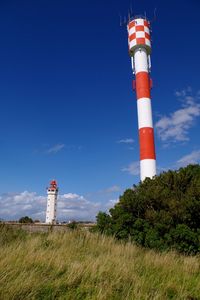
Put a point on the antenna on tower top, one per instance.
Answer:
(129, 16)
(120, 20)
(154, 15)
(131, 9)
(126, 19)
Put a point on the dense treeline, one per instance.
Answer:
(161, 213)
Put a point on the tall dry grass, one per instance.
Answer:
(81, 265)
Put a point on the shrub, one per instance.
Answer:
(25, 219)
(160, 213)
(73, 225)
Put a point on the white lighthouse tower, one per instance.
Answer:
(52, 192)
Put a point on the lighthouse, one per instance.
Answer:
(52, 192)
(139, 43)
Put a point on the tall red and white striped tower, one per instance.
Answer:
(140, 49)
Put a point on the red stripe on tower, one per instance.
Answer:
(142, 85)
(147, 148)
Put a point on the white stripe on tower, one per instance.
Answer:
(139, 48)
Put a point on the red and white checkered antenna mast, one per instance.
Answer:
(139, 43)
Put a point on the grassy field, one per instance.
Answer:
(81, 265)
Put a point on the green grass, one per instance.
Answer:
(80, 265)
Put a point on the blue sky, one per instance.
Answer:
(67, 108)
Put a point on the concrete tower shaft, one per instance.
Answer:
(139, 50)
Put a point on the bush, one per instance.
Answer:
(185, 239)
(73, 225)
(25, 219)
(160, 213)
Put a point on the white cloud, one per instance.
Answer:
(176, 126)
(16, 205)
(133, 168)
(126, 141)
(74, 206)
(71, 206)
(111, 203)
(71, 196)
(111, 189)
(55, 149)
(192, 158)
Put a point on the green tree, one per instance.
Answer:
(161, 213)
(104, 223)
(25, 219)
